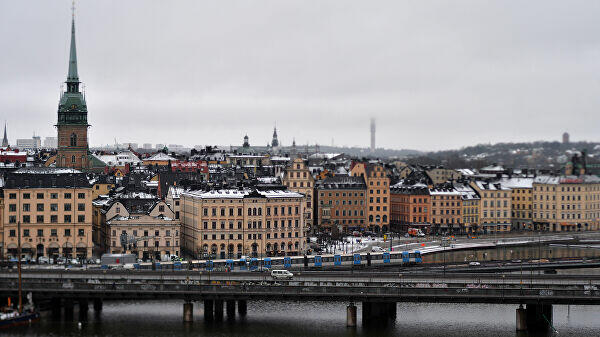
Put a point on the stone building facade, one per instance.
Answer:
(235, 223)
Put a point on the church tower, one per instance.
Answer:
(72, 123)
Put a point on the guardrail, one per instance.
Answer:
(293, 290)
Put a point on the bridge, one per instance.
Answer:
(378, 291)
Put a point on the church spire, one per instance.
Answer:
(5, 139)
(73, 76)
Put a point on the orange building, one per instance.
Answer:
(378, 194)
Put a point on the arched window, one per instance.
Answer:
(73, 139)
(370, 218)
(72, 159)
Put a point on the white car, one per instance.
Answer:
(474, 264)
(281, 275)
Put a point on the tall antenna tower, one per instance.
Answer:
(372, 135)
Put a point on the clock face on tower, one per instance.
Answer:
(74, 106)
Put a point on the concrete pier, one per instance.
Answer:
(521, 318)
(209, 310)
(392, 310)
(242, 308)
(351, 315)
(97, 304)
(69, 308)
(188, 311)
(539, 317)
(230, 305)
(378, 313)
(83, 309)
(218, 310)
(55, 307)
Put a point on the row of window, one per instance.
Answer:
(344, 202)
(498, 203)
(40, 232)
(156, 244)
(146, 232)
(378, 208)
(41, 195)
(498, 214)
(41, 207)
(251, 236)
(276, 246)
(343, 194)
(252, 211)
(448, 211)
(253, 224)
(41, 219)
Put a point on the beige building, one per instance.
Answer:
(441, 175)
(297, 178)
(234, 223)
(54, 210)
(147, 223)
(494, 207)
(566, 203)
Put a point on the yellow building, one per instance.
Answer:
(566, 203)
(53, 208)
(102, 186)
(297, 178)
(235, 223)
(521, 202)
(470, 208)
(494, 207)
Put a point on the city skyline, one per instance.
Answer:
(226, 87)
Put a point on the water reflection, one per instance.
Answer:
(154, 318)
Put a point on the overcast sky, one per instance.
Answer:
(435, 74)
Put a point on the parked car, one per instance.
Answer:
(43, 260)
(281, 274)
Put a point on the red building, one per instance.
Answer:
(410, 207)
(12, 156)
(189, 166)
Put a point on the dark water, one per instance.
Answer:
(153, 318)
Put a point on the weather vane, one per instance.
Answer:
(73, 9)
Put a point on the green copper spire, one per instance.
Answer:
(73, 76)
(72, 108)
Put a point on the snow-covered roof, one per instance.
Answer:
(434, 191)
(239, 194)
(119, 159)
(566, 179)
(160, 157)
(492, 168)
(267, 180)
(324, 155)
(278, 158)
(466, 172)
(175, 191)
(517, 182)
(46, 170)
(490, 187)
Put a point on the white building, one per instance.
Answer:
(50, 142)
(120, 159)
(29, 144)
